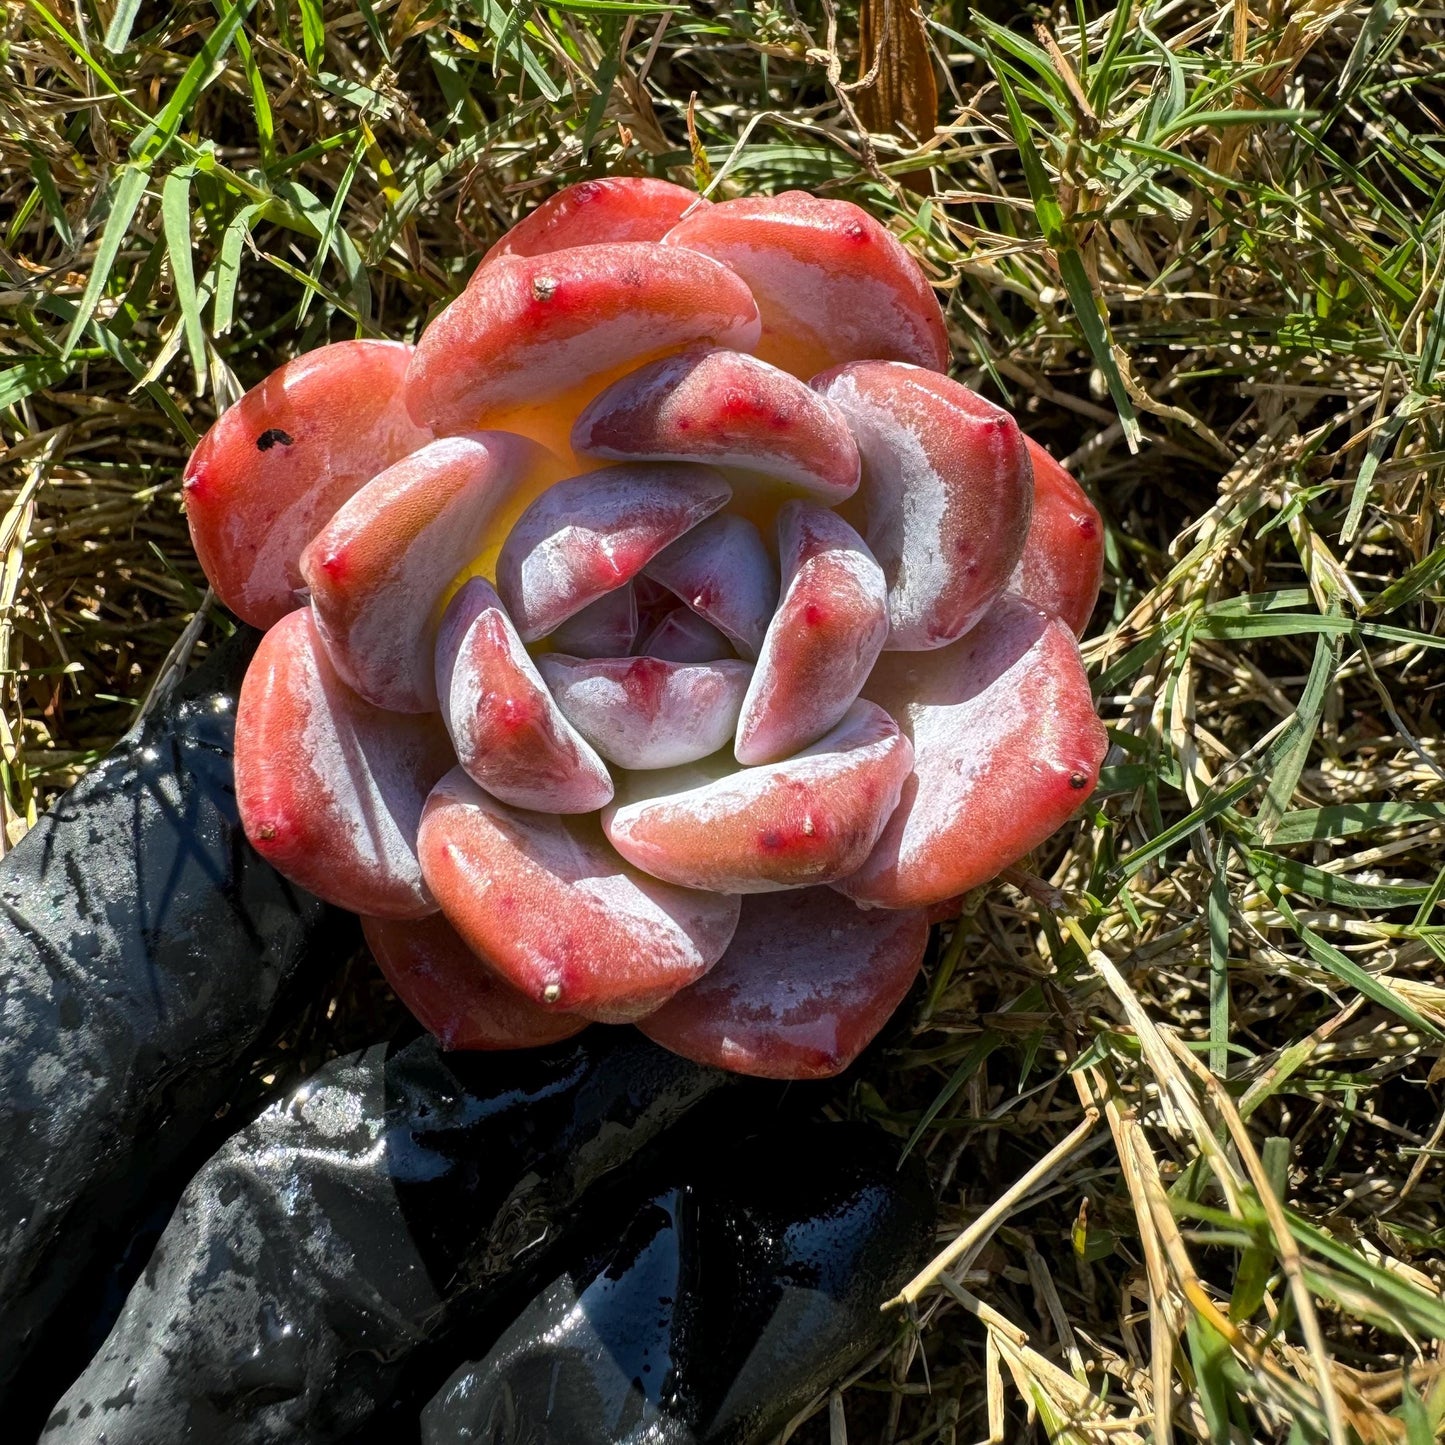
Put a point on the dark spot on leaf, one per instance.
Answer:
(271, 436)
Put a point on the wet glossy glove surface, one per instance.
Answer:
(718, 1302)
(146, 953)
(322, 1248)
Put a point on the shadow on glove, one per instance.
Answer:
(147, 956)
(719, 1302)
(328, 1244)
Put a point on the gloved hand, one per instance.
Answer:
(147, 955)
(715, 1299)
(321, 1250)
(373, 1232)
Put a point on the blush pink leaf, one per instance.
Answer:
(330, 788)
(271, 471)
(588, 535)
(454, 994)
(558, 914)
(811, 819)
(1006, 748)
(379, 568)
(805, 985)
(510, 736)
(823, 639)
(832, 285)
(946, 495)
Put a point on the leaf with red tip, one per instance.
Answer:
(823, 640)
(379, 568)
(590, 213)
(274, 467)
(832, 285)
(553, 909)
(643, 712)
(806, 984)
(812, 819)
(722, 570)
(531, 327)
(589, 534)
(1006, 748)
(454, 994)
(331, 788)
(683, 636)
(947, 490)
(728, 409)
(1063, 561)
(510, 735)
(605, 628)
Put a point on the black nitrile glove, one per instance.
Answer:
(717, 1303)
(340, 1257)
(327, 1245)
(146, 957)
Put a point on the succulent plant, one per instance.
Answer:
(665, 638)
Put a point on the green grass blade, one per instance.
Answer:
(313, 34)
(202, 70)
(260, 101)
(1343, 820)
(50, 197)
(1411, 585)
(1291, 754)
(1218, 919)
(30, 376)
(176, 222)
(126, 191)
(971, 1063)
(117, 33)
(1071, 265)
(1345, 969)
(1336, 890)
(334, 239)
(228, 268)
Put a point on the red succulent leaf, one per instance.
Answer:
(722, 571)
(1063, 562)
(590, 534)
(274, 467)
(605, 628)
(832, 285)
(683, 636)
(454, 994)
(552, 908)
(811, 819)
(1006, 748)
(591, 213)
(331, 788)
(823, 639)
(510, 736)
(728, 409)
(806, 983)
(533, 327)
(646, 712)
(947, 491)
(379, 569)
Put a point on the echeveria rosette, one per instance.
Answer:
(665, 638)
